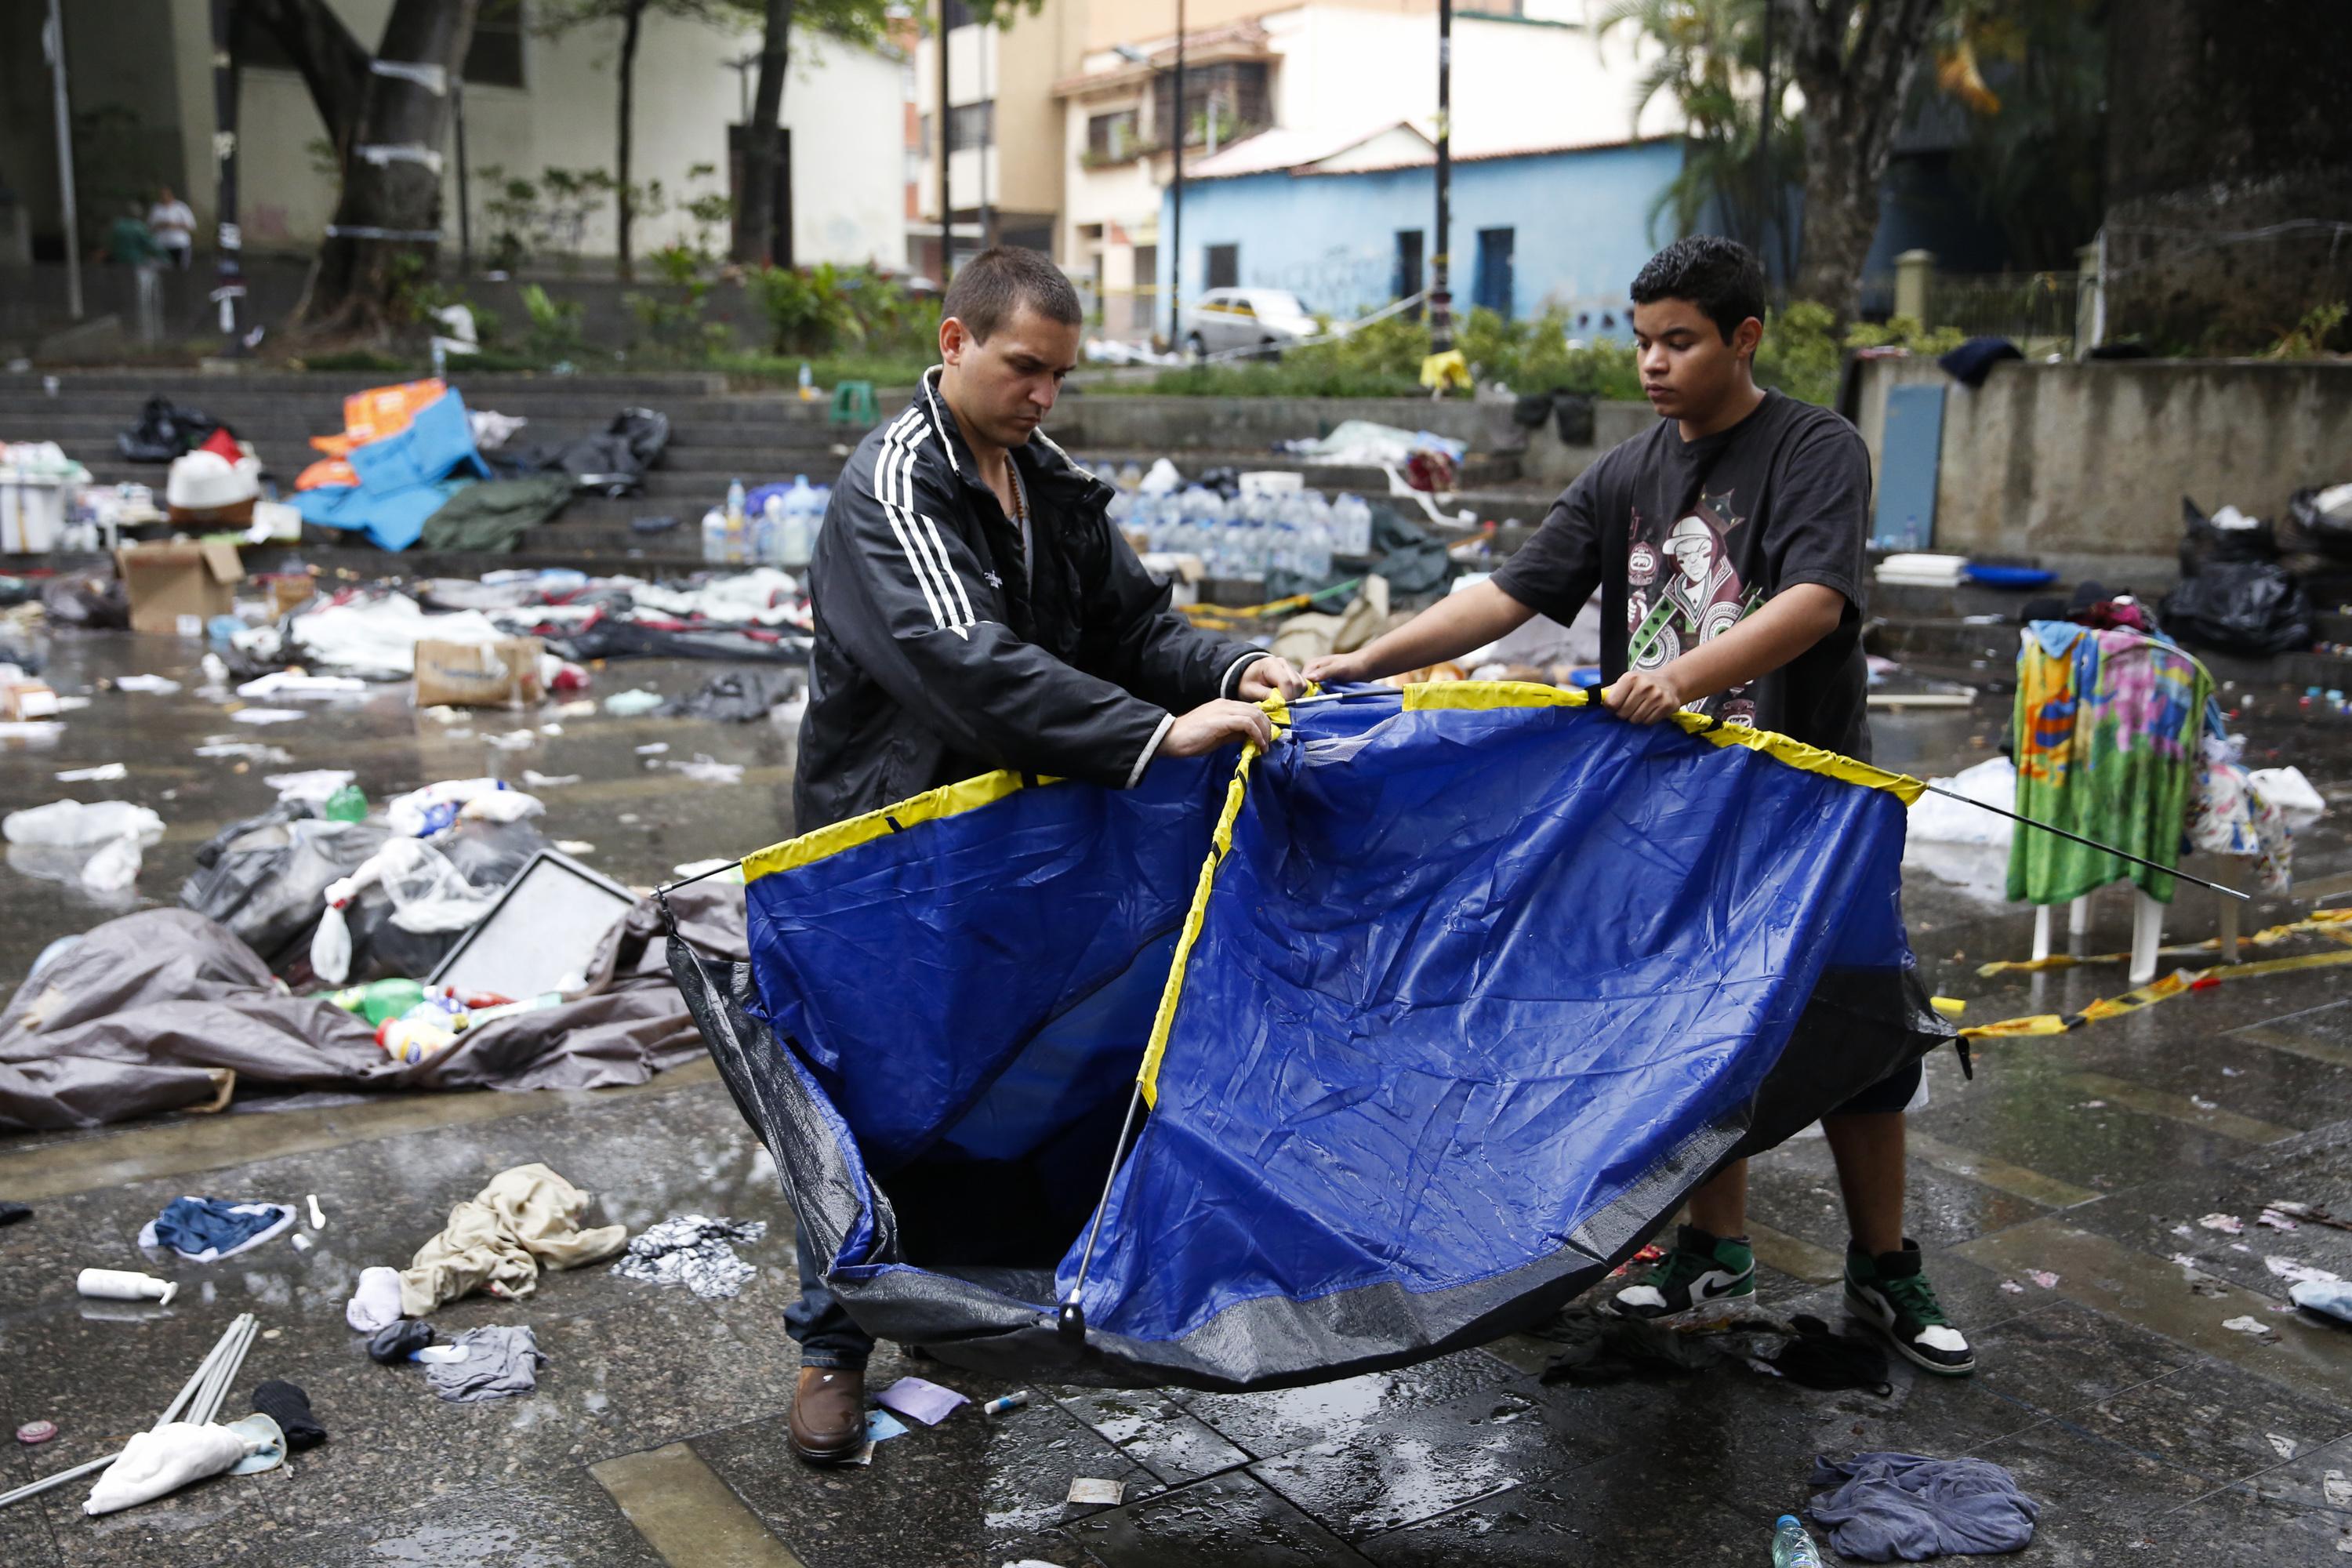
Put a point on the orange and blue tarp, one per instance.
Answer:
(1438, 1010)
(417, 450)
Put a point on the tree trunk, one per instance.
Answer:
(763, 143)
(624, 195)
(385, 234)
(1854, 60)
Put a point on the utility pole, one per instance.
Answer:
(53, 40)
(1441, 297)
(1176, 226)
(947, 213)
(1764, 202)
(228, 239)
(465, 182)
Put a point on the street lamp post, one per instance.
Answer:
(947, 213)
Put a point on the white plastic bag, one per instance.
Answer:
(164, 1460)
(331, 944)
(70, 825)
(113, 868)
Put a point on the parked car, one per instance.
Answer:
(1266, 319)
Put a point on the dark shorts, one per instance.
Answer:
(1892, 1092)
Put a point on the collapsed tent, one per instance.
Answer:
(1476, 986)
(166, 1010)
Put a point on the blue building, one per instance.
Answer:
(1347, 227)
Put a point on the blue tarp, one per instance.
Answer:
(404, 478)
(1476, 994)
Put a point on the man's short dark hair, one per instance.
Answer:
(989, 290)
(1721, 277)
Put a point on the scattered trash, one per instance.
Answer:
(628, 704)
(154, 685)
(576, 846)
(881, 1426)
(2043, 1277)
(537, 780)
(526, 1218)
(2275, 1220)
(294, 683)
(2286, 1446)
(2308, 1213)
(314, 787)
(499, 1362)
(2331, 1298)
(2226, 1224)
(125, 1285)
(302, 1243)
(694, 1251)
(2013, 1288)
(707, 770)
(736, 696)
(921, 1399)
(2250, 1325)
(33, 1432)
(653, 748)
(266, 715)
(2337, 1489)
(1005, 1403)
(163, 1460)
(289, 1405)
(1087, 1492)
(206, 1230)
(375, 1303)
(105, 773)
(2298, 1271)
(1792, 1547)
(400, 1341)
(318, 1215)
(1889, 1507)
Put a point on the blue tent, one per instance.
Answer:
(1438, 1011)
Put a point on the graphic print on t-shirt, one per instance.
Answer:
(1682, 590)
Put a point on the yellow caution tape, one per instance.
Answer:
(2334, 924)
(2178, 983)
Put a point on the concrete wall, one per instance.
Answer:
(1246, 424)
(1581, 223)
(2092, 460)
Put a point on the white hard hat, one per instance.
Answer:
(206, 481)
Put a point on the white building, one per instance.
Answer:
(1321, 80)
(531, 102)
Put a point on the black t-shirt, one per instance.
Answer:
(1683, 538)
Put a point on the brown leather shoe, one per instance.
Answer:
(828, 1422)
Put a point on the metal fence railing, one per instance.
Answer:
(2039, 307)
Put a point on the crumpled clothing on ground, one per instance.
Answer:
(501, 1362)
(497, 1240)
(693, 1250)
(1905, 1508)
(206, 1230)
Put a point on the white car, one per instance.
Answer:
(1263, 319)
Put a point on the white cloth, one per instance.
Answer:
(164, 1460)
(377, 1303)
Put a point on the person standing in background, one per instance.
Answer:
(173, 227)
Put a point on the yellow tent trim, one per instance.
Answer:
(947, 800)
(1481, 694)
(1221, 841)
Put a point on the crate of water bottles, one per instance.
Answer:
(1272, 525)
(774, 525)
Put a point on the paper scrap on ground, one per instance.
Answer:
(155, 684)
(708, 770)
(920, 1399)
(266, 715)
(694, 1251)
(1088, 1491)
(538, 780)
(105, 773)
(881, 1426)
(2226, 1224)
(2285, 1446)
(2043, 1278)
(2250, 1325)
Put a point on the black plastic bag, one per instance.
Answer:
(86, 599)
(1571, 417)
(265, 877)
(2250, 608)
(612, 464)
(2310, 531)
(738, 696)
(2202, 544)
(165, 431)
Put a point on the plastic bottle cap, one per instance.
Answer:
(37, 1431)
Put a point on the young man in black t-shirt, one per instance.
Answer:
(1727, 542)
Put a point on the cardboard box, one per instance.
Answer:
(502, 674)
(177, 581)
(26, 698)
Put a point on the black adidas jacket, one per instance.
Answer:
(937, 657)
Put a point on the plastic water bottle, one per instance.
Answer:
(714, 537)
(768, 532)
(737, 526)
(1130, 477)
(1352, 526)
(808, 381)
(802, 508)
(1792, 1547)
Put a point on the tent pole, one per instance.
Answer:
(1073, 1318)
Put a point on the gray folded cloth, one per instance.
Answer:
(1905, 1507)
(499, 1362)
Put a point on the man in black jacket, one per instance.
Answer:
(976, 609)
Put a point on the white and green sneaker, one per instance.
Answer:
(1891, 1293)
(1701, 1271)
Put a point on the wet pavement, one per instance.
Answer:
(2148, 1429)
